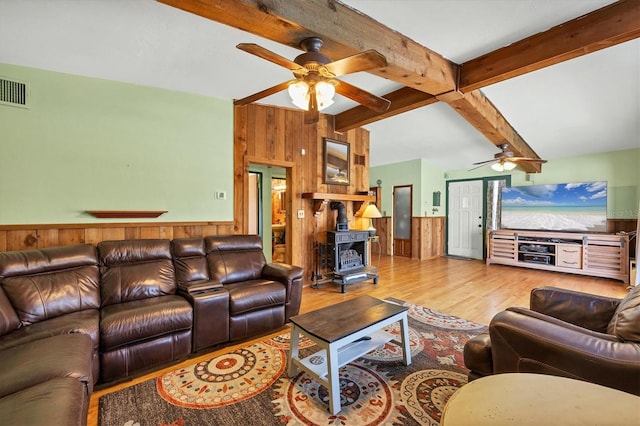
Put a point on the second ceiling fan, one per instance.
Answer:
(315, 81)
(506, 160)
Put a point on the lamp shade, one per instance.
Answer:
(299, 92)
(371, 212)
(324, 93)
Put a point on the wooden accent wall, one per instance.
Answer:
(428, 237)
(22, 237)
(383, 231)
(277, 136)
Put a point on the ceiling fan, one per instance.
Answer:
(315, 81)
(506, 160)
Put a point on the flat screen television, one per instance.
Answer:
(571, 207)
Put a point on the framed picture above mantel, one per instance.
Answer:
(336, 162)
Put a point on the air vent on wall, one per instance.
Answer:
(14, 93)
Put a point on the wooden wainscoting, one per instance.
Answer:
(22, 237)
(428, 237)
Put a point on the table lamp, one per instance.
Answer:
(369, 213)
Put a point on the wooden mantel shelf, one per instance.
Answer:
(128, 214)
(321, 199)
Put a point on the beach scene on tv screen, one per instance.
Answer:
(577, 207)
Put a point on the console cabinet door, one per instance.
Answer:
(503, 248)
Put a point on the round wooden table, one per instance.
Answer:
(536, 399)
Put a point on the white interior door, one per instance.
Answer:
(465, 219)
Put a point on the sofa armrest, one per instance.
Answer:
(583, 309)
(523, 341)
(198, 286)
(291, 277)
(282, 272)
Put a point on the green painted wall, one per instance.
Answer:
(91, 144)
(425, 178)
(621, 169)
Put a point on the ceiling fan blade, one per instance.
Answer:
(486, 162)
(476, 167)
(263, 94)
(359, 62)
(270, 56)
(369, 100)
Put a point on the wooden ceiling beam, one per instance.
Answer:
(605, 27)
(402, 100)
(344, 31)
(480, 112)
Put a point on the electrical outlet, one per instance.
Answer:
(300, 214)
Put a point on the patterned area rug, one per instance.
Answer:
(250, 385)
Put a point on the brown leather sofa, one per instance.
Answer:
(75, 316)
(231, 274)
(564, 333)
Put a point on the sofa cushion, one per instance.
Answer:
(234, 258)
(67, 355)
(134, 270)
(125, 323)
(189, 260)
(9, 320)
(60, 401)
(51, 259)
(625, 323)
(46, 283)
(42, 297)
(255, 294)
(85, 322)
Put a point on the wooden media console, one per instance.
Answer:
(598, 255)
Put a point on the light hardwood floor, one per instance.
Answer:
(468, 289)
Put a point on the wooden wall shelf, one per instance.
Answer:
(125, 214)
(321, 199)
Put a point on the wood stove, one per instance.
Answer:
(347, 257)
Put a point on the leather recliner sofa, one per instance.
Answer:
(75, 316)
(564, 333)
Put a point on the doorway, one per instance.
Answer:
(465, 219)
(267, 209)
(402, 208)
(255, 204)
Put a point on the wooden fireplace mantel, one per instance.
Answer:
(321, 199)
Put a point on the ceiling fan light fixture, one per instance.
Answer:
(503, 166)
(299, 93)
(325, 91)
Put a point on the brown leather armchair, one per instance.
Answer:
(564, 333)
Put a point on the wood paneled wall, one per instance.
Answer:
(22, 237)
(428, 237)
(278, 136)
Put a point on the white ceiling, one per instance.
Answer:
(587, 105)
